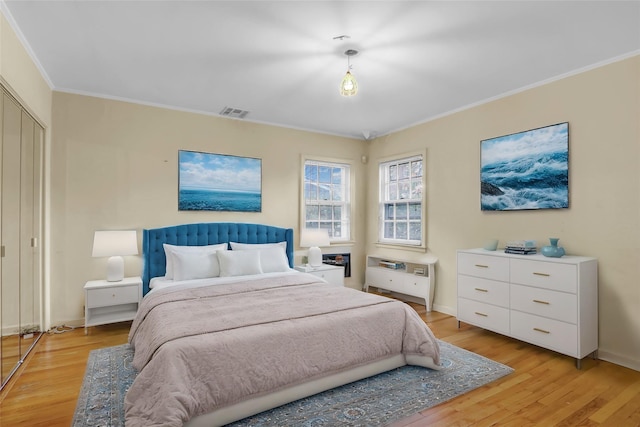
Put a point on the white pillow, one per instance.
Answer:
(169, 250)
(274, 260)
(235, 246)
(239, 263)
(273, 256)
(196, 265)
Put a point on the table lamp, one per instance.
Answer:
(313, 238)
(115, 244)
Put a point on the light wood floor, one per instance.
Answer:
(545, 390)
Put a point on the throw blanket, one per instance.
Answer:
(201, 349)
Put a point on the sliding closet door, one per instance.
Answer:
(10, 233)
(29, 237)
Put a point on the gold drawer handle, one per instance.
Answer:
(481, 290)
(541, 330)
(541, 274)
(541, 302)
(482, 314)
(482, 266)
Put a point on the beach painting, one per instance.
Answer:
(526, 170)
(219, 182)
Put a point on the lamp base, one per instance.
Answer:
(115, 269)
(315, 256)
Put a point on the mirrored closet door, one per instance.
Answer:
(21, 142)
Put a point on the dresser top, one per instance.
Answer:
(566, 259)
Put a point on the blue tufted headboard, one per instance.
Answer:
(153, 257)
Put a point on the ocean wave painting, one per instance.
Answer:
(526, 170)
(217, 182)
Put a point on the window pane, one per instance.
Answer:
(337, 213)
(404, 190)
(401, 211)
(337, 193)
(324, 174)
(388, 211)
(328, 226)
(311, 224)
(416, 168)
(337, 176)
(312, 212)
(388, 230)
(311, 172)
(401, 230)
(416, 189)
(393, 173)
(325, 212)
(337, 229)
(310, 191)
(393, 192)
(403, 170)
(415, 231)
(415, 211)
(324, 192)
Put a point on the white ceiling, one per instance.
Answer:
(279, 60)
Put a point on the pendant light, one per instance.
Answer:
(348, 85)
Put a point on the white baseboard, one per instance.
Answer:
(625, 361)
(444, 309)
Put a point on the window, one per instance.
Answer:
(401, 206)
(326, 198)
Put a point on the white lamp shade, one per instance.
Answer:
(114, 244)
(110, 243)
(312, 238)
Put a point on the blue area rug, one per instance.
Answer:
(375, 401)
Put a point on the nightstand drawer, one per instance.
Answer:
(112, 296)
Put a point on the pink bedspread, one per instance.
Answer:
(201, 349)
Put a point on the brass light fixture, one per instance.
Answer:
(349, 85)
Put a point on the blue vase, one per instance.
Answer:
(553, 250)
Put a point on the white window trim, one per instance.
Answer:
(346, 240)
(388, 243)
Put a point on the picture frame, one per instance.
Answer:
(219, 182)
(526, 170)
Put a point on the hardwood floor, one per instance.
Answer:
(545, 390)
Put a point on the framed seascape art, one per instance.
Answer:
(526, 170)
(219, 182)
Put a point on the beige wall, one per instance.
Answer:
(114, 166)
(602, 107)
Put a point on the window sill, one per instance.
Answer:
(413, 248)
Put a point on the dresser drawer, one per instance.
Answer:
(553, 334)
(549, 275)
(484, 315)
(543, 302)
(483, 290)
(112, 296)
(484, 266)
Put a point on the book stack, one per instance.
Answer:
(391, 264)
(521, 247)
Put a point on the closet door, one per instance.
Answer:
(10, 233)
(29, 237)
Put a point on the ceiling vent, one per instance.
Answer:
(233, 112)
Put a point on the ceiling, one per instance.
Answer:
(280, 60)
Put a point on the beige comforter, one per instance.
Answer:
(201, 349)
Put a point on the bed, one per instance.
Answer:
(217, 343)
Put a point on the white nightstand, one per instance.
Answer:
(332, 274)
(111, 302)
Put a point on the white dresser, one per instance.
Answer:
(412, 278)
(549, 302)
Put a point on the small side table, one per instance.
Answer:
(111, 302)
(331, 274)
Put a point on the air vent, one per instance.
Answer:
(234, 112)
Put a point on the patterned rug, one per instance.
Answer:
(375, 401)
